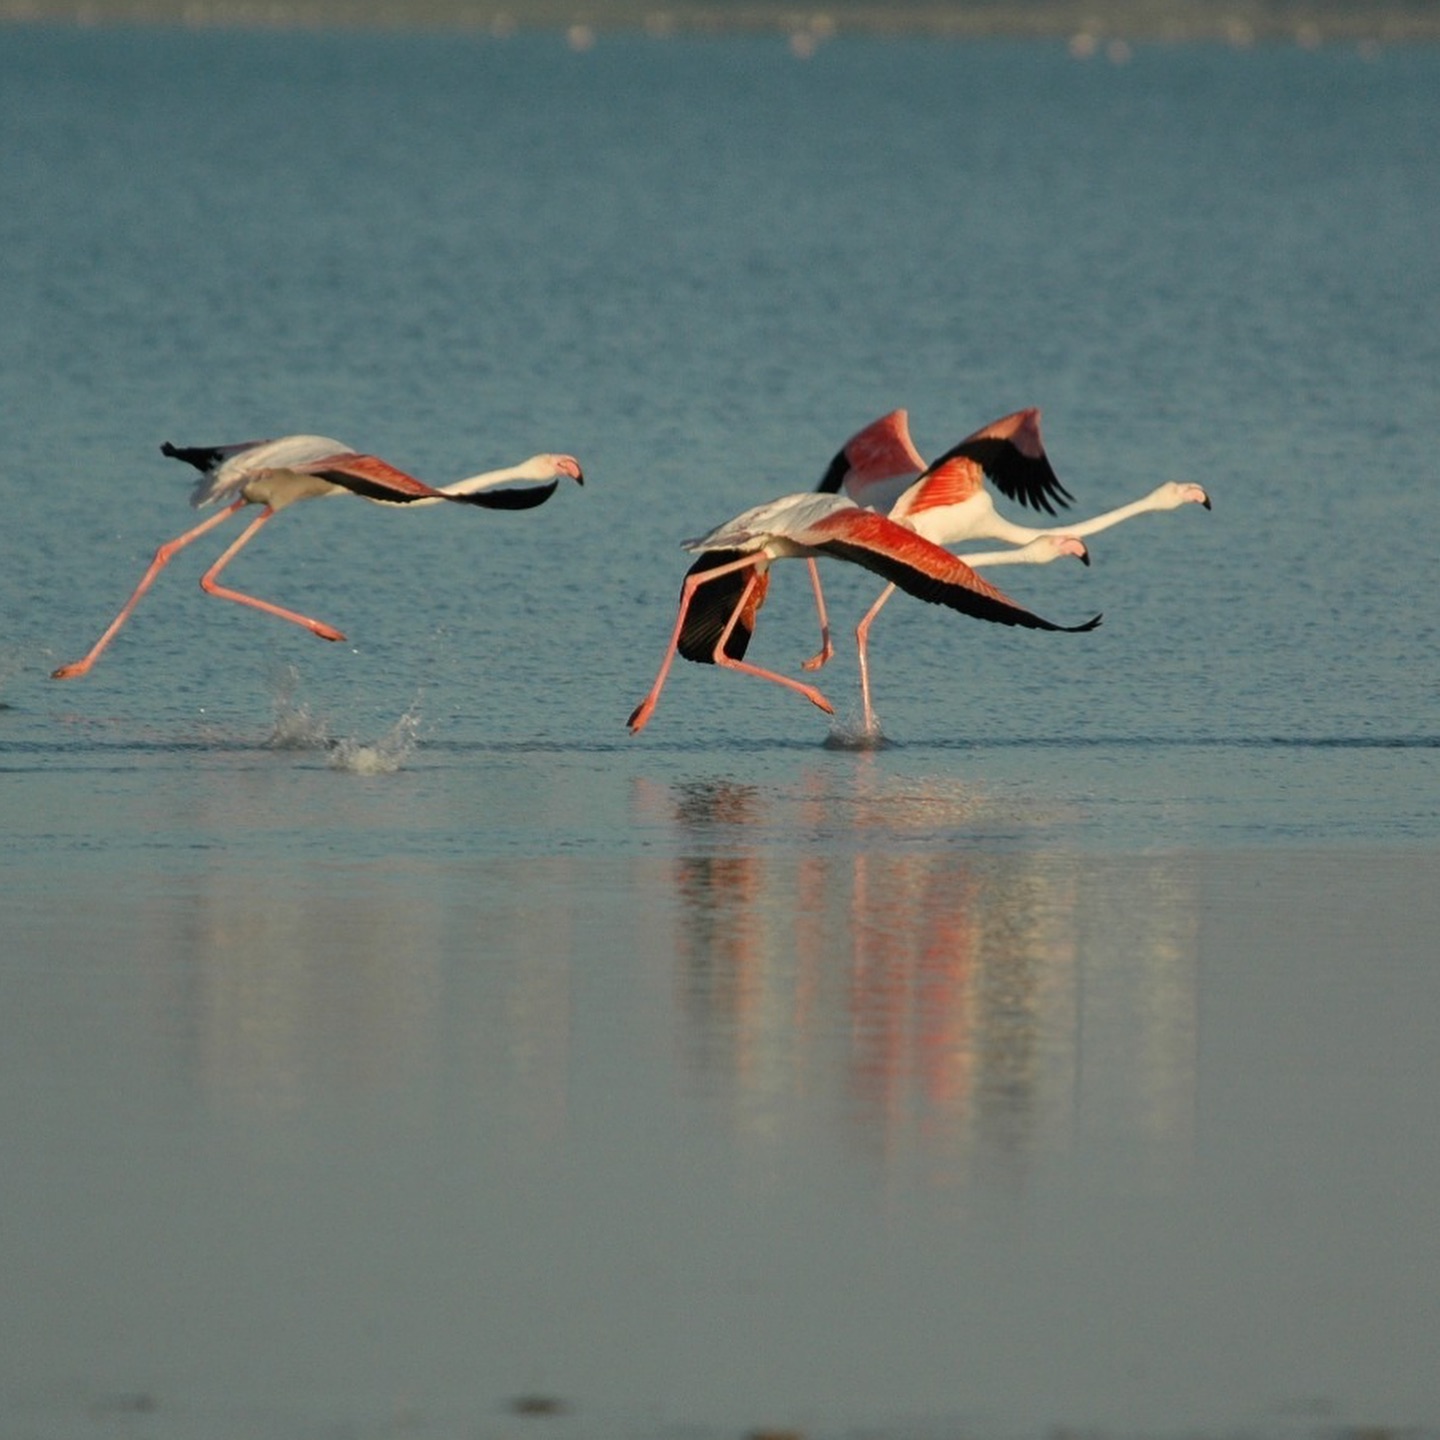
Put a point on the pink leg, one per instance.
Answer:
(207, 584)
(163, 556)
(640, 715)
(721, 658)
(862, 646)
(826, 649)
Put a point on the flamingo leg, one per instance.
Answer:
(207, 584)
(163, 556)
(730, 663)
(640, 716)
(862, 644)
(826, 648)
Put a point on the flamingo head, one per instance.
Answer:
(547, 467)
(1069, 545)
(1175, 493)
(564, 465)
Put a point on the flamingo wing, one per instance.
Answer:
(520, 497)
(1008, 452)
(926, 571)
(881, 451)
(1012, 455)
(953, 479)
(714, 603)
(375, 479)
(225, 470)
(207, 459)
(369, 477)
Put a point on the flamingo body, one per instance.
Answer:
(274, 474)
(810, 524)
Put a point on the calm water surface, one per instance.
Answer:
(386, 1036)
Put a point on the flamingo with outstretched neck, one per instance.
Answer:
(948, 503)
(809, 526)
(274, 474)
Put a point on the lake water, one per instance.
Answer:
(390, 1043)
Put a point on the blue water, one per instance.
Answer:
(385, 1034)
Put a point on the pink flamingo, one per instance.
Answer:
(879, 459)
(948, 503)
(809, 525)
(277, 473)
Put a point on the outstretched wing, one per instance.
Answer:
(521, 497)
(375, 479)
(926, 571)
(225, 470)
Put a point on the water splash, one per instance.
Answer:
(851, 734)
(387, 754)
(295, 728)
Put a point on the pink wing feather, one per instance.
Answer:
(372, 477)
(920, 568)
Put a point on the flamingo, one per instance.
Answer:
(948, 503)
(880, 454)
(277, 473)
(809, 525)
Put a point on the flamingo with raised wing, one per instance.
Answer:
(948, 504)
(276, 473)
(948, 501)
(809, 526)
(879, 456)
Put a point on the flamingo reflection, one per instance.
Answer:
(967, 1009)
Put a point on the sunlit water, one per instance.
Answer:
(389, 1043)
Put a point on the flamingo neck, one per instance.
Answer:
(528, 470)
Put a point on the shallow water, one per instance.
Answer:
(388, 1037)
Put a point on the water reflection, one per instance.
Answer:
(965, 1005)
(394, 992)
(901, 967)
